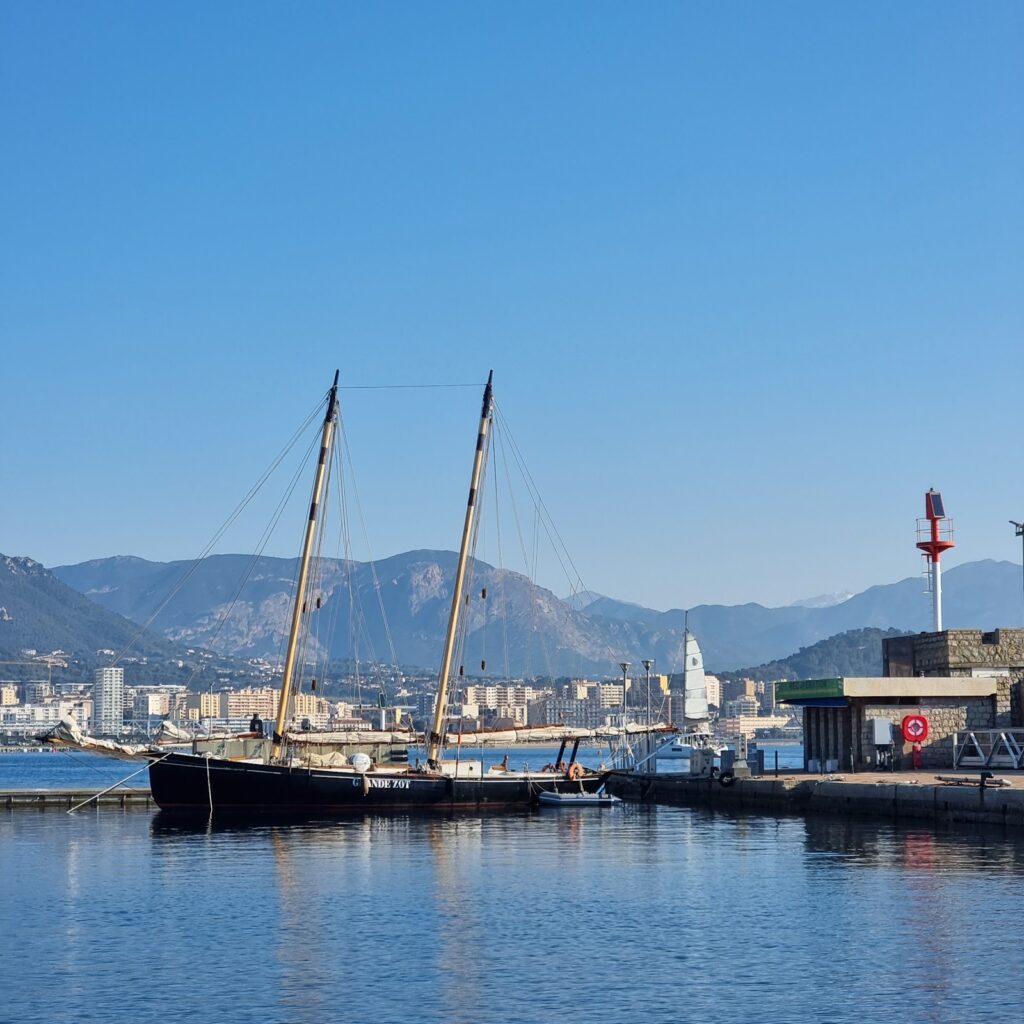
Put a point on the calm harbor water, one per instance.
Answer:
(638, 914)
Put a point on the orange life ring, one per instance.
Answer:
(575, 771)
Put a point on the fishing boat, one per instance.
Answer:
(280, 782)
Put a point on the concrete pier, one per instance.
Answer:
(894, 796)
(65, 799)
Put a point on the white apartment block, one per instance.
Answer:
(503, 697)
(108, 701)
(29, 719)
(714, 687)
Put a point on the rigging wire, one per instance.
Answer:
(501, 564)
(558, 544)
(500, 435)
(335, 603)
(400, 387)
(372, 562)
(239, 508)
(264, 540)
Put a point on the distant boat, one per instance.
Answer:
(696, 728)
(555, 799)
(282, 783)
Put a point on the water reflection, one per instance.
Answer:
(601, 916)
(920, 849)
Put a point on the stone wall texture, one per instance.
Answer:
(945, 717)
(959, 652)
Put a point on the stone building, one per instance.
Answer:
(839, 716)
(962, 652)
(959, 679)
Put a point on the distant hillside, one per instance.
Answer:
(857, 652)
(42, 613)
(543, 635)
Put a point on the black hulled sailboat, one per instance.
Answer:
(281, 783)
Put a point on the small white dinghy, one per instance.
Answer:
(578, 799)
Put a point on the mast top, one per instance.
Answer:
(332, 398)
(487, 395)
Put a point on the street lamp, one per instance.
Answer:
(647, 663)
(624, 743)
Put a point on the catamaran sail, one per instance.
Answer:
(695, 729)
(695, 687)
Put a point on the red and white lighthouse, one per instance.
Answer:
(935, 535)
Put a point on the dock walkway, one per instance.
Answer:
(900, 795)
(64, 799)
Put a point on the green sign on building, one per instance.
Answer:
(808, 689)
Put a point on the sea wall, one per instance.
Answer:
(899, 800)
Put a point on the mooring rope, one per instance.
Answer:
(103, 792)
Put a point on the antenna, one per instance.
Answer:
(935, 535)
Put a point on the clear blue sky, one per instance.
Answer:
(750, 275)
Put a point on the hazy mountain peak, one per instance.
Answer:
(19, 565)
(823, 600)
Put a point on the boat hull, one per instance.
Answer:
(184, 783)
(578, 800)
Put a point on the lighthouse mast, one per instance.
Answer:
(935, 535)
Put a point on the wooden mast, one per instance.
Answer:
(434, 739)
(300, 587)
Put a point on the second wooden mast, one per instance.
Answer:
(300, 587)
(437, 728)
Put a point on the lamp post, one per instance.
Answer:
(647, 663)
(624, 665)
(1019, 527)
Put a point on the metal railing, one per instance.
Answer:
(989, 748)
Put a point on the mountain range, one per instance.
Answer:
(542, 634)
(39, 612)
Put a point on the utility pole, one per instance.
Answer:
(1019, 527)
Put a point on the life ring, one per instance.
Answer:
(575, 772)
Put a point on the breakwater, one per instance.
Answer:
(893, 797)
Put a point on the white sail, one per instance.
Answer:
(695, 689)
